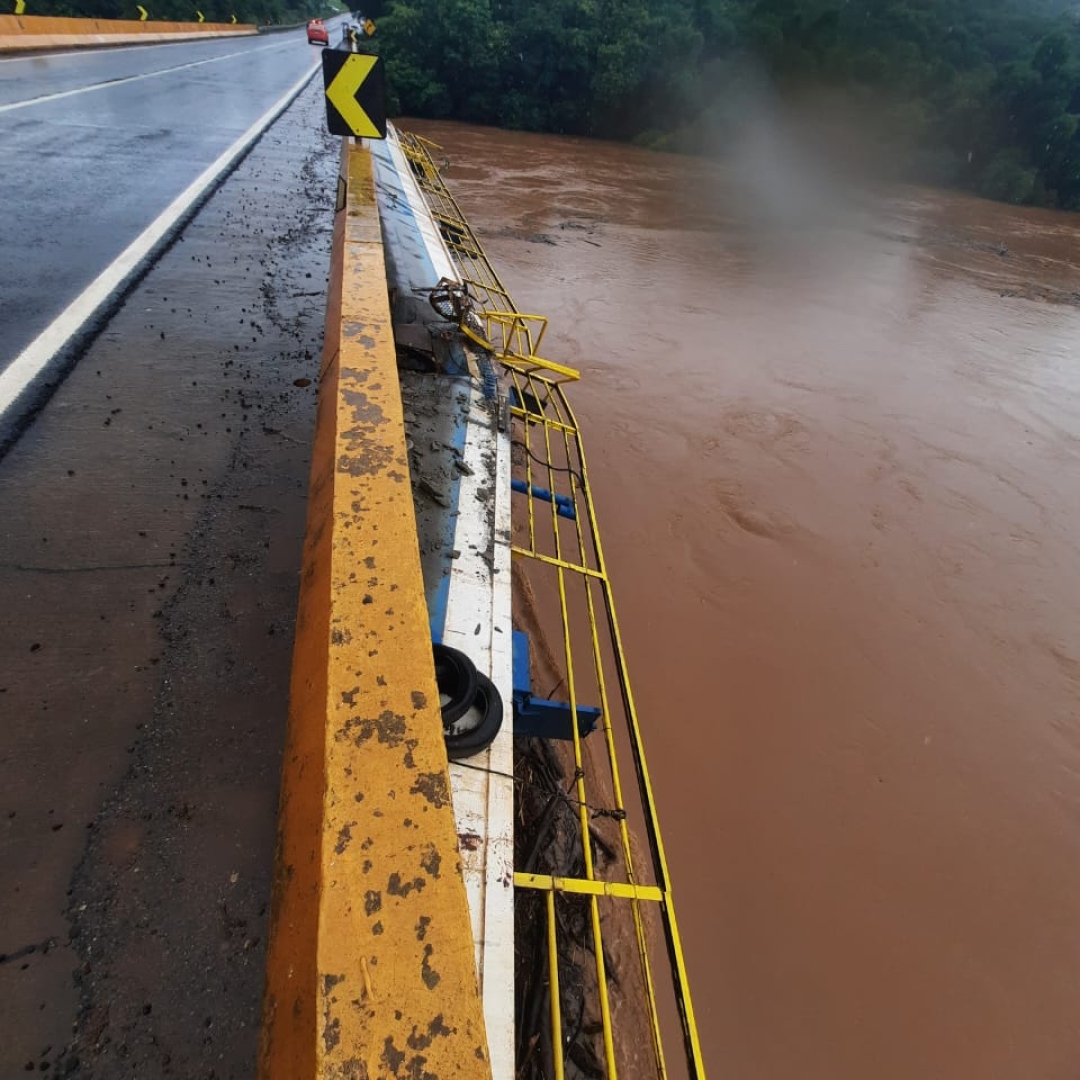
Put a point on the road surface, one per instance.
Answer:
(96, 147)
(150, 526)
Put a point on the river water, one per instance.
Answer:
(834, 437)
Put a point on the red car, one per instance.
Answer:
(316, 33)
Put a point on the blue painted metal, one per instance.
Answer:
(564, 505)
(491, 380)
(537, 716)
(455, 362)
(522, 678)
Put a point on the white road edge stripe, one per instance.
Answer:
(33, 360)
(61, 52)
(134, 78)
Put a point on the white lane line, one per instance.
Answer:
(135, 78)
(76, 51)
(34, 359)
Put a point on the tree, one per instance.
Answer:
(986, 94)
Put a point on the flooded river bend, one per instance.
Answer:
(835, 443)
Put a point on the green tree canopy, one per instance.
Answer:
(982, 93)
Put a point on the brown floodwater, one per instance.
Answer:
(834, 437)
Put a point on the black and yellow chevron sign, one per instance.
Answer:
(355, 87)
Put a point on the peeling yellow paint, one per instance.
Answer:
(371, 969)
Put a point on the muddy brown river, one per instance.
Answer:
(834, 437)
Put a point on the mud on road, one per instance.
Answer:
(150, 531)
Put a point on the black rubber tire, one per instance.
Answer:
(455, 675)
(482, 735)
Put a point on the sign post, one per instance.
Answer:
(355, 88)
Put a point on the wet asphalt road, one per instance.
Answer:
(84, 174)
(151, 521)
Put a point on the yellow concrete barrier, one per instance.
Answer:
(19, 32)
(371, 970)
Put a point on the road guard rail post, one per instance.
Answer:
(371, 969)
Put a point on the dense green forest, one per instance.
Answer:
(983, 94)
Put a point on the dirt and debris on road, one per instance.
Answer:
(152, 520)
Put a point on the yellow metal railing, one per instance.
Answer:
(476, 271)
(567, 550)
(509, 333)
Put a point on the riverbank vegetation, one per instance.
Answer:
(981, 94)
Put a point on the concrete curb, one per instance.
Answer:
(23, 33)
(371, 970)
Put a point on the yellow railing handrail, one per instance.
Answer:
(554, 457)
(511, 340)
